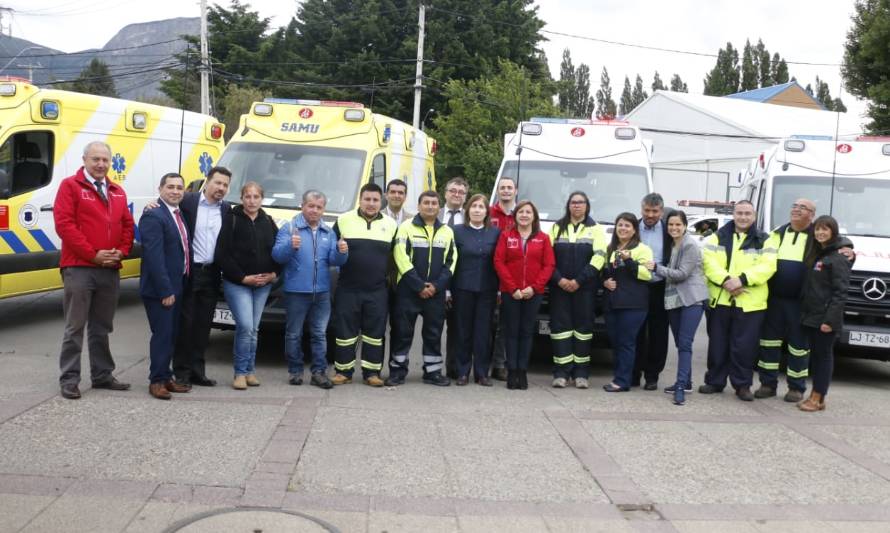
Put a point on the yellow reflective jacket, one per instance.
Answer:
(749, 256)
(425, 254)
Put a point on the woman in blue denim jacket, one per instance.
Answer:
(307, 247)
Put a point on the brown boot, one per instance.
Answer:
(816, 402)
(159, 391)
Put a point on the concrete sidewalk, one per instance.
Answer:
(421, 458)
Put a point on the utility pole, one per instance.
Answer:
(418, 80)
(30, 68)
(205, 62)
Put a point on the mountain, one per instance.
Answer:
(135, 56)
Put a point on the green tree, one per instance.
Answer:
(657, 84)
(365, 51)
(639, 94)
(750, 69)
(763, 62)
(677, 84)
(723, 79)
(95, 78)
(866, 67)
(823, 95)
(237, 102)
(626, 102)
(779, 70)
(478, 114)
(574, 88)
(605, 106)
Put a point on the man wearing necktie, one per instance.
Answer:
(96, 228)
(165, 268)
(452, 215)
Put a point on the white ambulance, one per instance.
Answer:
(849, 180)
(42, 136)
(552, 157)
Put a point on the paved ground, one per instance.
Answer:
(420, 458)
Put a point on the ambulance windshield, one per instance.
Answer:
(612, 189)
(859, 204)
(286, 171)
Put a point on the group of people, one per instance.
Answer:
(480, 270)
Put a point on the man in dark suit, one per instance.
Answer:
(204, 213)
(165, 264)
(652, 341)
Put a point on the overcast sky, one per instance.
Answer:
(803, 31)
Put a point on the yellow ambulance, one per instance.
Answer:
(290, 146)
(42, 136)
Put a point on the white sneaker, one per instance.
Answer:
(559, 383)
(581, 383)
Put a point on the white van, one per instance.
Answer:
(849, 180)
(552, 157)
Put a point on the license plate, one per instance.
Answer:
(223, 316)
(543, 327)
(874, 340)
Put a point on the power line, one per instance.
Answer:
(105, 51)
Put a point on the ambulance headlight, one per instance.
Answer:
(625, 134)
(531, 128)
(795, 145)
(354, 115)
(49, 109)
(262, 110)
(885, 149)
(7, 89)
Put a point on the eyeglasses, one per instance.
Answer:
(802, 207)
(457, 192)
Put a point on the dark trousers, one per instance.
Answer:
(408, 306)
(164, 322)
(360, 315)
(652, 340)
(498, 350)
(623, 326)
(821, 358)
(684, 322)
(473, 313)
(732, 345)
(571, 332)
(89, 301)
(452, 340)
(198, 302)
(781, 325)
(519, 328)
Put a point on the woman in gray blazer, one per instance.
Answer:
(684, 297)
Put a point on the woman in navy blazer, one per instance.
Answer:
(164, 267)
(474, 290)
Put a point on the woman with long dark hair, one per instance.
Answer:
(822, 304)
(627, 296)
(524, 262)
(474, 290)
(579, 245)
(684, 296)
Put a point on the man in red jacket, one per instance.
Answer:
(96, 228)
(501, 214)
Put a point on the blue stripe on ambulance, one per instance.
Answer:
(43, 240)
(14, 242)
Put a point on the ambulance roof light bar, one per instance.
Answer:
(805, 137)
(325, 103)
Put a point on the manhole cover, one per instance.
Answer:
(251, 520)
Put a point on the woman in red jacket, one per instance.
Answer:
(524, 262)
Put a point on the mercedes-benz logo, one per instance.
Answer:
(874, 289)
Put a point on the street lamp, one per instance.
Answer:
(22, 51)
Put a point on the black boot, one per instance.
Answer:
(511, 379)
(523, 380)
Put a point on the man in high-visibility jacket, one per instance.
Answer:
(425, 256)
(782, 322)
(738, 262)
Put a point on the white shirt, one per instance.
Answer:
(207, 225)
(445, 212)
(402, 216)
(94, 181)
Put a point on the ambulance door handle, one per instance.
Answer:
(45, 208)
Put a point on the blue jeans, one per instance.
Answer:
(623, 326)
(317, 306)
(246, 304)
(684, 322)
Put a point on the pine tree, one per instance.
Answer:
(584, 105)
(574, 88)
(657, 84)
(809, 90)
(723, 79)
(763, 65)
(677, 84)
(866, 68)
(626, 103)
(750, 71)
(639, 94)
(779, 70)
(605, 106)
(95, 78)
(566, 83)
